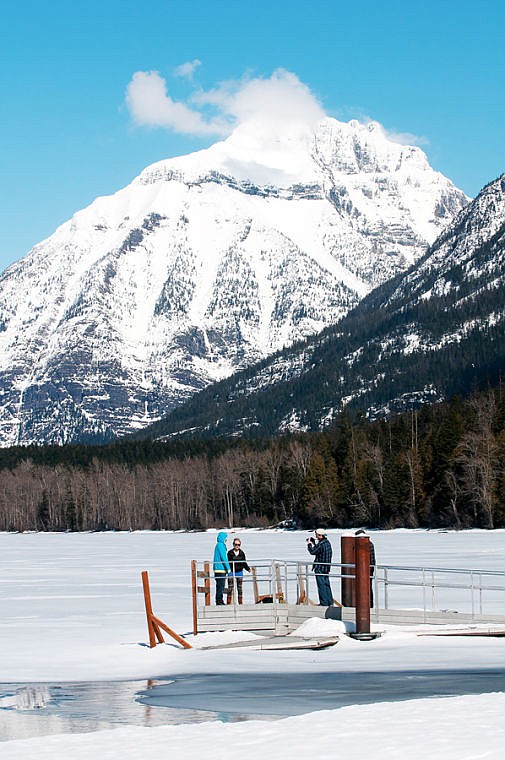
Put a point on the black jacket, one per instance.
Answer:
(322, 553)
(237, 561)
(372, 560)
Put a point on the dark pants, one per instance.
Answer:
(324, 590)
(231, 583)
(220, 579)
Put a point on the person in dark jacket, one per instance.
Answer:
(362, 532)
(322, 553)
(238, 562)
(221, 566)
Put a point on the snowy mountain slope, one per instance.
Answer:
(436, 330)
(205, 264)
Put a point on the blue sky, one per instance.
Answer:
(433, 70)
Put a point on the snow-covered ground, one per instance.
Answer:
(72, 610)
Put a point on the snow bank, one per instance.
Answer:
(459, 728)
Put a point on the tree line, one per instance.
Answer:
(441, 465)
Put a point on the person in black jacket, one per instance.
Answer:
(238, 564)
(322, 553)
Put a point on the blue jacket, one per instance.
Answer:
(221, 564)
(322, 554)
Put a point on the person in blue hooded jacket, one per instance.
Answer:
(221, 565)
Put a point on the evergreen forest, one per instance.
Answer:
(441, 465)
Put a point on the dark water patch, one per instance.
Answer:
(287, 694)
(39, 709)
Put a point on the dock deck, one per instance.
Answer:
(280, 596)
(282, 619)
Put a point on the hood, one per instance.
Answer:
(222, 536)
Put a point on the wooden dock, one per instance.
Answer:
(282, 619)
(433, 617)
(283, 598)
(269, 643)
(274, 618)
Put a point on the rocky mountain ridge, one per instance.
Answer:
(429, 333)
(203, 265)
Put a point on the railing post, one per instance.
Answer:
(424, 596)
(193, 592)
(279, 594)
(376, 595)
(206, 583)
(473, 595)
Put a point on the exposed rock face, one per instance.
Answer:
(202, 265)
(434, 331)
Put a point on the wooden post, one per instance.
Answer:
(362, 584)
(206, 583)
(280, 593)
(149, 610)
(153, 623)
(302, 595)
(197, 588)
(347, 557)
(255, 585)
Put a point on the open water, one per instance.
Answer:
(28, 710)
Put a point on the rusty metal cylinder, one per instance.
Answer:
(362, 585)
(347, 550)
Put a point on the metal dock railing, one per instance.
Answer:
(279, 594)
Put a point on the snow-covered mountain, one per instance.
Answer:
(429, 333)
(203, 265)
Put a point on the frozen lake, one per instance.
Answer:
(31, 710)
(73, 636)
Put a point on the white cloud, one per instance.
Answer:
(150, 105)
(266, 104)
(281, 98)
(406, 138)
(360, 115)
(403, 138)
(274, 101)
(187, 70)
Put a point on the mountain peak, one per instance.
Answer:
(435, 331)
(286, 154)
(204, 264)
